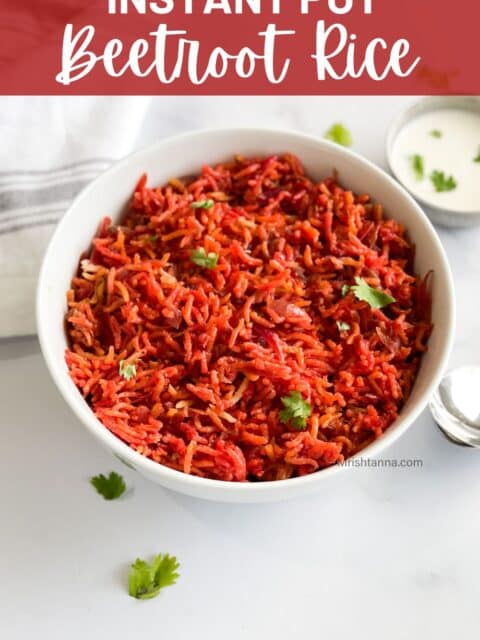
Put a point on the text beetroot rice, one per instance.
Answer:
(219, 296)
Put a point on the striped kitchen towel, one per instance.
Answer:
(51, 147)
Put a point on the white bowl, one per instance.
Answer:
(184, 155)
(439, 215)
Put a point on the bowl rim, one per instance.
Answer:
(193, 485)
(409, 114)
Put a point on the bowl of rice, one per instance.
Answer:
(237, 314)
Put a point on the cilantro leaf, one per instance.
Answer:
(441, 182)
(339, 134)
(146, 580)
(477, 158)
(343, 326)
(296, 411)
(345, 289)
(202, 259)
(202, 204)
(110, 488)
(375, 297)
(436, 133)
(127, 371)
(418, 166)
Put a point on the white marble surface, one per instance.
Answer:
(376, 554)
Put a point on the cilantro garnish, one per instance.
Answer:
(127, 371)
(345, 290)
(110, 488)
(441, 182)
(343, 326)
(202, 204)
(339, 134)
(418, 166)
(202, 259)
(375, 297)
(436, 133)
(477, 159)
(296, 411)
(146, 580)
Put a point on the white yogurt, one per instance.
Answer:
(453, 153)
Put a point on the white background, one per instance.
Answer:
(375, 554)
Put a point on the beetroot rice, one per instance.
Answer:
(215, 349)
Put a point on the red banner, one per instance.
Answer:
(242, 47)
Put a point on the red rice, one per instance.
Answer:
(215, 350)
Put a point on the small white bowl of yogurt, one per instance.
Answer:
(433, 149)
